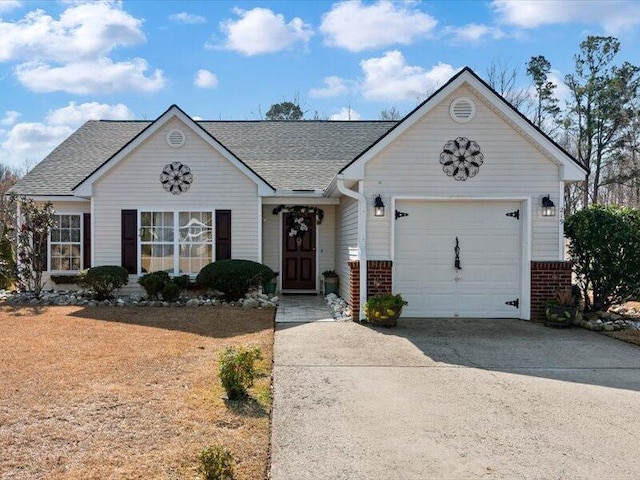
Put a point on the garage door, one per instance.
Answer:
(487, 284)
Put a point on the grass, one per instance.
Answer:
(92, 393)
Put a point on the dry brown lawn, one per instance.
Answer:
(101, 393)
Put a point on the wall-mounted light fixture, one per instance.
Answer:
(378, 207)
(548, 207)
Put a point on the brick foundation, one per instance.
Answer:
(546, 278)
(379, 281)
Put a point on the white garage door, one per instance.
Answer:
(489, 244)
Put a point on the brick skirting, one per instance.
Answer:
(379, 281)
(546, 278)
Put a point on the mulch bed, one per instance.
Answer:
(107, 392)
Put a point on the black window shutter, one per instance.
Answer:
(86, 240)
(223, 234)
(130, 240)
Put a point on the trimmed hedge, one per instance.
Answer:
(234, 278)
(104, 280)
(153, 283)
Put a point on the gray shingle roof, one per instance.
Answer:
(289, 155)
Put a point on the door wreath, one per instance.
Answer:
(298, 223)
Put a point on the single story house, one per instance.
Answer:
(458, 206)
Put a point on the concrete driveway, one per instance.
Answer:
(453, 399)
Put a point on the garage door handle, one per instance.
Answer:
(456, 250)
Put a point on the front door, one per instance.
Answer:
(298, 252)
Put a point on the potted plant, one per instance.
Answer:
(331, 282)
(384, 310)
(270, 287)
(561, 310)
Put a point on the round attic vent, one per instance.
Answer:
(176, 138)
(462, 109)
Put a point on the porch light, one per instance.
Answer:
(548, 207)
(378, 207)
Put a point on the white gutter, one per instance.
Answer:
(362, 236)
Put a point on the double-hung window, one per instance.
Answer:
(65, 243)
(178, 242)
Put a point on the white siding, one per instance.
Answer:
(346, 241)
(512, 167)
(271, 238)
(134, 184)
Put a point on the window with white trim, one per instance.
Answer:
(65, 243)
(176, 242)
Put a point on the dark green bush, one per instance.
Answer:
(234, 278)
(216, 463)
(7, 262)
(103, 281)
(153, 283)
(604, 246)
(237, 370)
(182, 281)
(171, 292)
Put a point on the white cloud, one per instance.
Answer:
(357, 27)
(94, 76)
(30, 142)
(612, 15)
(8, 5)
(188, 18)
(75, 115)
(71, 54)
(205, 79)
(334, 87)
(10, 118)
(390, 78)
(346, 114)
(260, 30)
(474, 32)
(83, 31)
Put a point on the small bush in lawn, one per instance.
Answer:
(153, 283)
(234, 277)
(103, 281)
(237, 370)
(171, 292)
(216, 463)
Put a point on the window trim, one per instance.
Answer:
(81, 242)
(176, 242)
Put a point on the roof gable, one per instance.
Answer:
(571, 169)
(85, 187)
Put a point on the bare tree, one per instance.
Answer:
(502, 76)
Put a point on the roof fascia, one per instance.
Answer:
(85, 187)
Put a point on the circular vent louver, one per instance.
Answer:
(462, 110)
(176, 138)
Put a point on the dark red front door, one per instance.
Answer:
(298, 254)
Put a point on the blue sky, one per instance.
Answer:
(62, 63)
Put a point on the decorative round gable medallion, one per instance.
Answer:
(176, 138)
(176, 178)
(462, 109)
(461, 158)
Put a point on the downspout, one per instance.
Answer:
(362, 236)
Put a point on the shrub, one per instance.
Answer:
(153, 283)
(385, 301)
(237, 370)
(234, 278)
(216, 463)
(183, 282)
(171, 292)
(7, 263)
(103, 281)
(604, 246)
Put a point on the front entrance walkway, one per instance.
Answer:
(302, 309)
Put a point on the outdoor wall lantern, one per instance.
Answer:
(378, 207)
(548, 207)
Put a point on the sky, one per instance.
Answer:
(65, 62)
